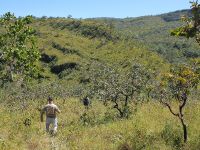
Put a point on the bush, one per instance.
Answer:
(47, 58)
(89, 29)
(65, 50)
(172, 136)
(57, 69)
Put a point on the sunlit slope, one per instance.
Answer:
(70, 44)
(154, 33)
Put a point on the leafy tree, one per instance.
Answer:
(18, 51)
(118, 86)
(69, 16)
(178, 85)
(192, 27)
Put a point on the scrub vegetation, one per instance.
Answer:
(141, 76)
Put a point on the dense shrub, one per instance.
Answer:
(65, 50)
(47, 58)
(59, 68)
(87, 28)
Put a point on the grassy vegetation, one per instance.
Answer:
(151, 126)
(69, 48)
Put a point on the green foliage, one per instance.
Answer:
(178, 85)
(191, 29)
(65, 50)
(19, 53)
(47, 59)
(63, 67)
(181, 80)
(118, 86)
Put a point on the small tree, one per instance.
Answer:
(18, 52)
(118, 86)
(178, 85)
(184, 79)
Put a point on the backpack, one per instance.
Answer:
(50, 111)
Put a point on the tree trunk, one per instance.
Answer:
(184, 98)
(185, 135)
(125, 109)
(119, 110)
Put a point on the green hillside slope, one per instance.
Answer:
(154, 33)
(69, 44)
(118, 64)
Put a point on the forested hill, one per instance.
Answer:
(154, 33)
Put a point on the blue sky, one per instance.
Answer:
(91, 8)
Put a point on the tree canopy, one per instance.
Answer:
(18, 50)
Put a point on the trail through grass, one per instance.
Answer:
(150, 127)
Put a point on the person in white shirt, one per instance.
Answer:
(51, 118)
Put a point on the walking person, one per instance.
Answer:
(86, 102)
(51, 111)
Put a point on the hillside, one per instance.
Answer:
(70, 44)
(136, 99)
(154, 33)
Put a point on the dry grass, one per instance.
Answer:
(151, 127)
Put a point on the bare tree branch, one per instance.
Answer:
(170, 108)
(184, 98)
